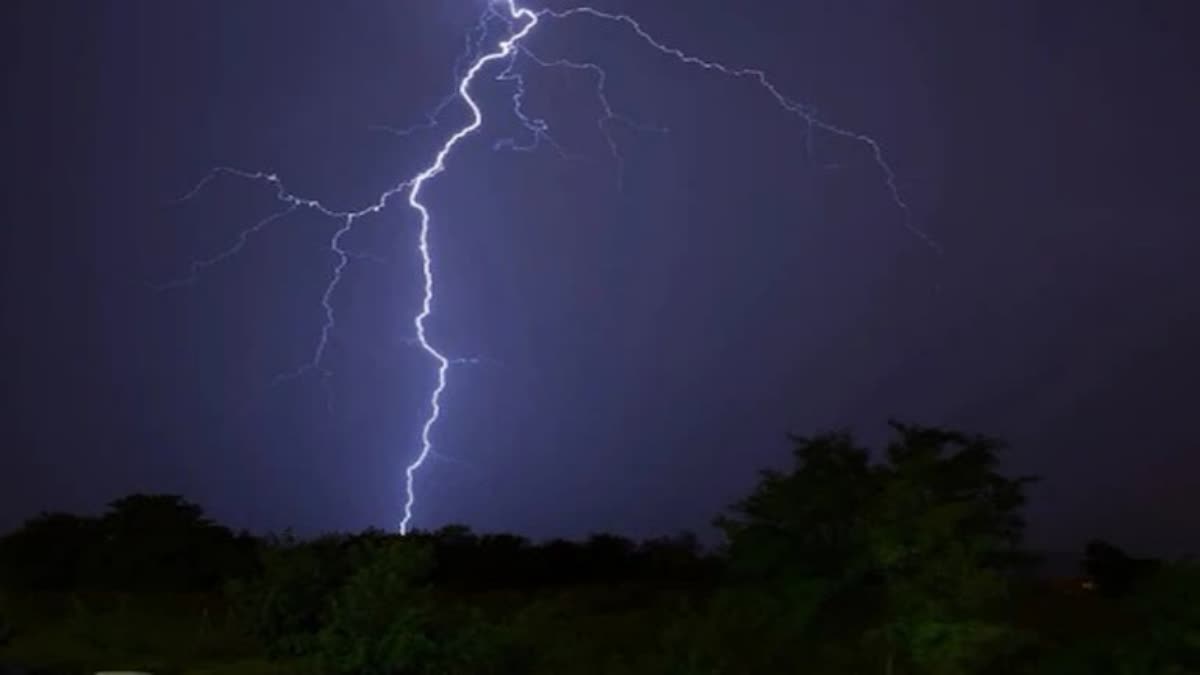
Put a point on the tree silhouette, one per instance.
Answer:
(164, 542)
(928, 531)
(807, 522)
(53, 551)
(942, 532)
(899, 560)
(1112, 570)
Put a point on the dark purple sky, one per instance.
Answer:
(643, 351)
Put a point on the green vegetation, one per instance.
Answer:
(911, 564)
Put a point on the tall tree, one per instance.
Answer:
(809, 521)
(943, 530)
(928, 531)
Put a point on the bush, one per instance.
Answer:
(286, 606)
(384, 621)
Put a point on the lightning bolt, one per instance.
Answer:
(520, 23)
(439, 165)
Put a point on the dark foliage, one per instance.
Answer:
(142, 543)
(1112, 570)
(908, 564)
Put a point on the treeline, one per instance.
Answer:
(163, 543)
(904, 561)
(143, 543)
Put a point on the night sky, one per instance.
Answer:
(642, 345)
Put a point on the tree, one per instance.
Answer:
(1112, 570)
(53, 551)
(807, 522)
(166, 543)
(1165, 605)
(286, 605)
(376, 619)
(942, 530)
(383, 621)
(929, 532)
